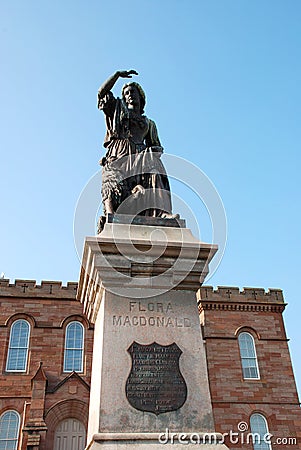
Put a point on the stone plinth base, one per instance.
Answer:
(138, 286)
(143, 441)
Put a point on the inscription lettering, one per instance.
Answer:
(145, 313)
(157, 321)
(151, 306)
(155, 383)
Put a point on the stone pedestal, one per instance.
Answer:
(149, 376)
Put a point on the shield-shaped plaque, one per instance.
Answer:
(155, 383)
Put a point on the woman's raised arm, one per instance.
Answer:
(109, 83)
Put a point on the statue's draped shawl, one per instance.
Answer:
(117, 116)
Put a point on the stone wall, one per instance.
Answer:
(224, 313)
(43, 395)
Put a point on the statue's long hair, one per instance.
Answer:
(141, 94)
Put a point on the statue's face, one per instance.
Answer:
(131, 97)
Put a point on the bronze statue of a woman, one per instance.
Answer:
(134, 180)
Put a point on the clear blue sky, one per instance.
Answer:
(223, 84)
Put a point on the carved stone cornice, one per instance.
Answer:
(215, 305)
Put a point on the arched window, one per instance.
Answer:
(9, 430)
(260, 432)
(248, 356)
(18, 346)
(74, 347)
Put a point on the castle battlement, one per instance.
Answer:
(246, 294)
(30, 288)
(247, 299)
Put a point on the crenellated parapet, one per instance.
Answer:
(247, 299)
(30, 288)
(228, 296)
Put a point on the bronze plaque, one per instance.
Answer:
(155, 383)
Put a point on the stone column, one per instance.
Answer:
(35, 426)
(138, 285)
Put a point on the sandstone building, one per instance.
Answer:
(46, 358)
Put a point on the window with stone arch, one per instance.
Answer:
(74, 347)
(260, 432)
(17, 355)
(248, 356)
(9, 430)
